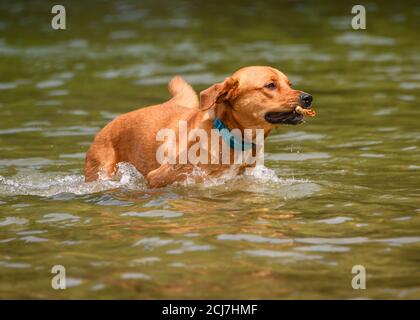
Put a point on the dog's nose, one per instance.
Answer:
(306, 100)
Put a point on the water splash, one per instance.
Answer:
(49, 184)
(259, 174)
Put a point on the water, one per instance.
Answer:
(338, 191)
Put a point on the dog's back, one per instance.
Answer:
(132, 136)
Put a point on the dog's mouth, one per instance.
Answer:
(283, 117)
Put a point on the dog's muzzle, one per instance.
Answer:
(283, 117)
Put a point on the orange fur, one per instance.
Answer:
(241, 101)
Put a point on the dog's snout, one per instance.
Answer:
(306, 100)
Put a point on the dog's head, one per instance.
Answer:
(257, 97)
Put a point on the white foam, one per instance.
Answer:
(259, 179)
(49, 184)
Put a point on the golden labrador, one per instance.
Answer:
(255, 97)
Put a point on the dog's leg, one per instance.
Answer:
(167, 174)
(100, 167)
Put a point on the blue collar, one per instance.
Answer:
(229, 138)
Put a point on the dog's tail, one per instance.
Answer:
(182, 92)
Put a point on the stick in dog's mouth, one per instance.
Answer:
(305, 112)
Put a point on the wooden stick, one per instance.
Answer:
(305, 112)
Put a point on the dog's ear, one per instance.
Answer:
(222, 90)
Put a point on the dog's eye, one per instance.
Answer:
(270, 85)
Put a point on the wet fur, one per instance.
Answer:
(240, 101)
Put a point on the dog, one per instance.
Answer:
(254, 97)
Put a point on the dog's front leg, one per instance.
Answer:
(167, 174)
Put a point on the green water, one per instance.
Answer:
(338, 191)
